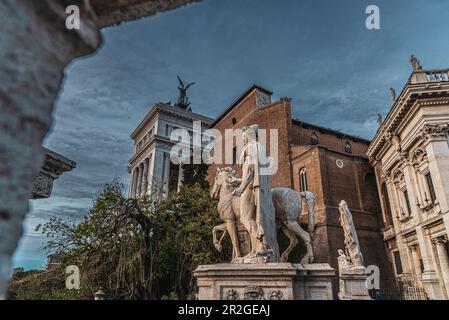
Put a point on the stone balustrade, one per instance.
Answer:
(437, 75)
(429, 76)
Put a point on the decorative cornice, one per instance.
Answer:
(437, 91)
(172, 111)
(54, 166)
(386, 175)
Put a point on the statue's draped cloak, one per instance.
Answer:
(254, 153)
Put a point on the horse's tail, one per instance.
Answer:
(310, 198)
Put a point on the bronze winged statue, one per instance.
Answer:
(183, 100)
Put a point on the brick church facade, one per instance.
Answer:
(328, 163)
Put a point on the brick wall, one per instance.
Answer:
(274, 116)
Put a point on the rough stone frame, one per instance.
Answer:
(35, 49)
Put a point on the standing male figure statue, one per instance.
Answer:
(257, 211)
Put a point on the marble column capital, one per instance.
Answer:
(440, 240)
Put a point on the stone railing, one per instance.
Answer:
(437, 75)
(430, 76)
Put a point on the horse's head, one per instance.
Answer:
(223, 178)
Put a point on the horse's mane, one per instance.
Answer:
(232, 174)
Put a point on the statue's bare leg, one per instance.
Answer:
(304, 235)
(248, 218)
(251, 227)
(292, 245)
(232, 230)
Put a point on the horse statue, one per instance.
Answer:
(287, 204)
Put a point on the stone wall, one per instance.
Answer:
(35, 47)
(275, 115)
(353, 182)
(112, 12)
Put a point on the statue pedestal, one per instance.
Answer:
(353, 284)
(264, 281)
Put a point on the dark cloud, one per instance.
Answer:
(317, 52)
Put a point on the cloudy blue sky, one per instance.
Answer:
(337, 72)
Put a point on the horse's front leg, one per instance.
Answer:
(215, 230)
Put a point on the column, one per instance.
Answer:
(26, 110)
(180, 177)
(416, 263)
(166, 175)
(438, 154)
(144, 178)
(150, 174)
(131, 183)
(157, 170)
(139, 181)
(440, 244)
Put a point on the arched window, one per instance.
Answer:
(234, 121)
(314, 139)
(303, 179)
(348, 147)
(387, 207)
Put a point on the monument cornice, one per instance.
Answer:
(172, 111)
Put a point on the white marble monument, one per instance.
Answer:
(250, 210)
(351, 269)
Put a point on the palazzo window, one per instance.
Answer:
(426, 190)
(407, 202)
(303, 179)
(397, 262)
(404, 210)
(429, 181)
(387, 206)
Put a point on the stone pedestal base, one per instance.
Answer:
(353, 285)
(264, 281)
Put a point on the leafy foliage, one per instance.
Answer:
(138, 248)
(40, 285)
(195, 174)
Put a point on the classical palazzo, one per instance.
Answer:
(410, 155)
(150, 166)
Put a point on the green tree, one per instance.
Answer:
(195, 174)
(139, 248)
